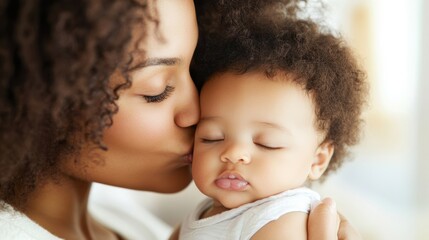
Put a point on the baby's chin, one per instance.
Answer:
(230, 202)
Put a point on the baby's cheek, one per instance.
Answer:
(202, 169)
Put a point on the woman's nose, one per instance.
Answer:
(236, 154)
(188, 111)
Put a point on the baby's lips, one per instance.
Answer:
(231, 175)
(231, 181)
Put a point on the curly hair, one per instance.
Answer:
(272, 36)
(56, 57)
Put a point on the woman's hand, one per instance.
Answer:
(325, 223)
(175, 234)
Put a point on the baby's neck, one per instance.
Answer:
(216, 208)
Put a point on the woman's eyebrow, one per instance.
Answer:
(155, 62)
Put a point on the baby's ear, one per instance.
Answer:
(321, 160)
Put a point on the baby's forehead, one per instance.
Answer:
(254, 89)
(263, 74)
(274, 73)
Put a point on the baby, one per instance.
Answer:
(280, 105)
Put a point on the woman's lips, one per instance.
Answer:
(232, 182)
(188, 158)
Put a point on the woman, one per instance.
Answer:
(69, 115)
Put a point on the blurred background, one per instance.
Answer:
(384, 189)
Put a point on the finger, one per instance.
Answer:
(323, 221)
(347, 231)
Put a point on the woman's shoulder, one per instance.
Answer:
(15, 225)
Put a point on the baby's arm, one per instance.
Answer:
(289, 226)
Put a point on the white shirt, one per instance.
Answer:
(113, 207)
(119, 210)
(243, 222)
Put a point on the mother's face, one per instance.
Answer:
(152, 134)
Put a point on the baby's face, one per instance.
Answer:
(256, 137)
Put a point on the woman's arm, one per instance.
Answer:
(325, 223)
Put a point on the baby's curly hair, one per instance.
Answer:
(272, 36)
(56, 57)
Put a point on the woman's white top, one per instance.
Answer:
(115, 208)
(243, 222)
(17, 226)
(120, 210)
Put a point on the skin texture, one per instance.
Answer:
(149, 142)
(262, 132)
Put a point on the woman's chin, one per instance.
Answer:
(174, 182)
(178, 184)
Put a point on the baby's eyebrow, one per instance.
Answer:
(155, 62)
(273, 125)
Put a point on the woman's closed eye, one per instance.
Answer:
(160, 97)
(211, 140)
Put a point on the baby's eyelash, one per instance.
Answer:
(160, 97)
(267, 147)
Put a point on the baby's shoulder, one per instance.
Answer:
(291, 225)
